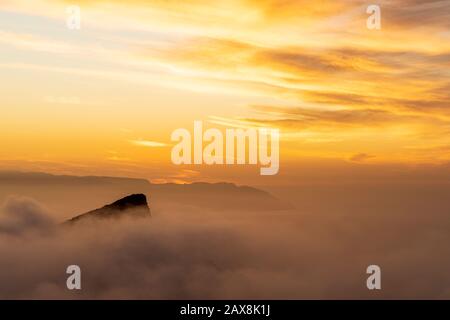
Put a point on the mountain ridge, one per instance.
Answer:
(67, 194)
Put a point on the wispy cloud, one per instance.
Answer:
(310, 68)
(148, 143)
(361, 157)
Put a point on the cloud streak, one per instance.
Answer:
(147, 143)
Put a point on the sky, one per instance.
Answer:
(104, 99)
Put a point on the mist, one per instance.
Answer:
(186, 252)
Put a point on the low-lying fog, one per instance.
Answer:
(319, 249)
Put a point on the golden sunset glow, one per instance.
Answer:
(104, 99)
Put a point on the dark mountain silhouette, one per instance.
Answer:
(70, 195)
(67, 195)
(217, 196)
(39, 178)
(134, 205)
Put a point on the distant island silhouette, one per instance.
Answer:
(68, 196)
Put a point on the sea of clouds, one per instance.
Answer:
(190, 253)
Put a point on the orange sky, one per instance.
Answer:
(105, 99)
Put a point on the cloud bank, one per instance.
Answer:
(189, 253)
